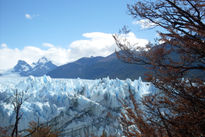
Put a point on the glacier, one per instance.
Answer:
(77, 107)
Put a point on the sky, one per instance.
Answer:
(64, 30)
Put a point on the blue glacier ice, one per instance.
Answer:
(71, 103)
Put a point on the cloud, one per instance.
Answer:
(4, 45)
(28, 16)
(144, 23)
(131, 40)
(100, 44)
(9, 57)
(94, 44)
(31, 16)
(48, 45)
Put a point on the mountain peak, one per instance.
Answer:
(21, 62)
(43, 60)
(22, 67)
(40, 68)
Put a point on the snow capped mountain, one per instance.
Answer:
(39, 68)
(74, 106)
(22, 67)
(42, 60)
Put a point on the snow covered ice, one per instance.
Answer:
(69, 104)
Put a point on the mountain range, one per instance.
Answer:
(39, 68)
(84, 68)
(98, 67)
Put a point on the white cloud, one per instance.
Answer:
(100, 44)
(130, 39)
(48, 45)
(94, 44)
(9, 57)
(144, 23)
(28, 16)
(4, 45)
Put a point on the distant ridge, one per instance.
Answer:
(98, 67)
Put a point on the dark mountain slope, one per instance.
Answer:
(98, 67)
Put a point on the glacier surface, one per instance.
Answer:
(74, 106)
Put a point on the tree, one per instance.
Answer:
(4, 132)
(178, 108)
(17, 102)
(40, 130)
(34, 130)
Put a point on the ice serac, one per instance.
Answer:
(75, 106)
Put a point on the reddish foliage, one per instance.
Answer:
(177, 70)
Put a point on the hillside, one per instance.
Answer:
(98, 67)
